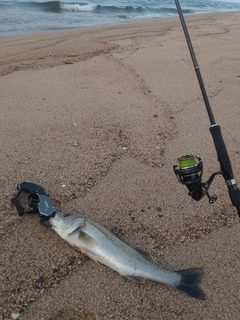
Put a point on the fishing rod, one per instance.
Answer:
(190, 168)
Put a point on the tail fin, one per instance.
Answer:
(189, 282)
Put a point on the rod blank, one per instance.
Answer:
(194, 60)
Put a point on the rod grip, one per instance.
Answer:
(234, 194)
(222, 153)
(223, 158)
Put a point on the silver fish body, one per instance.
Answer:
(103, 246)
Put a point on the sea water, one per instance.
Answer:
(33, 16)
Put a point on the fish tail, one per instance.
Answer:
(189, 283)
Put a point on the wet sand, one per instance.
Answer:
(98, 118)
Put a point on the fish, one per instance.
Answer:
(101, 245)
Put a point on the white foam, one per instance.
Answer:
(77, 7)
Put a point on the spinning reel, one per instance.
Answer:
(190, 173)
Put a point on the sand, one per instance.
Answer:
(98, 118)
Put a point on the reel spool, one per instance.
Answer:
(190, 168)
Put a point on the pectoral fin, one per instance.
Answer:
(79, 228)
(86, 240)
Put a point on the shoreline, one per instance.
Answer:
(125, 24)
(98, 117)
(119, 24)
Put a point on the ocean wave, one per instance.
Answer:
(119, 10)
(98, 8)
(59, 6)
(49, 6)
(147, 8)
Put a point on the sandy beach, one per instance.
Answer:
(98, 117)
